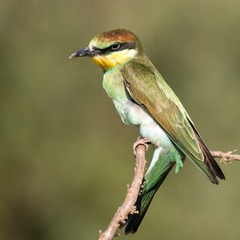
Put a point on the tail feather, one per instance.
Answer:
(135, 220)
(143, 202)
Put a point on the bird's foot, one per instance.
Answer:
(141, 141)
(179, 164)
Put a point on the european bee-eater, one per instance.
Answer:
(143, 99)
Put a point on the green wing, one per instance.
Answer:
(147, 87)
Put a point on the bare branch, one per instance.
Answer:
(120, 217)
(227, 157)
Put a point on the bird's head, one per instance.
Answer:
(111, 49)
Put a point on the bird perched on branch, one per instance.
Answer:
(143, 99)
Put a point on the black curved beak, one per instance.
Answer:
(82, 53)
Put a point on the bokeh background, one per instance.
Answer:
(65, 156)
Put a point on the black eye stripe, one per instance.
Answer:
(118, 47)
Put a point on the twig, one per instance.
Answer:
(139, 148)
(127, 207)
(227, 157)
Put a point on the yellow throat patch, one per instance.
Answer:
(113, 59)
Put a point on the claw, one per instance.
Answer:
(141, 141)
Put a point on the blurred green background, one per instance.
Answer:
(66, 157)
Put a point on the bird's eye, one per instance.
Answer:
(115, 46)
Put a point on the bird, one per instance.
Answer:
(143, 99)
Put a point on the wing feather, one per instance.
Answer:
(147, 87)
